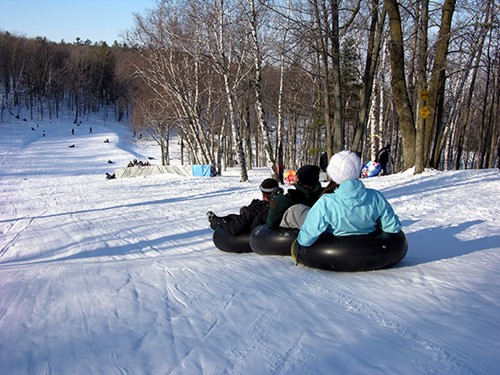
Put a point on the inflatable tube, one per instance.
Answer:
(267, 241)
(353, 253)
(371, 169)
(231, 244)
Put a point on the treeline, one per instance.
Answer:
(43, 77)
(261, 82)
(278, 82)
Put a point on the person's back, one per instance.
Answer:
(306, 192)
(352, 209)
(249, 217)
(383, 158)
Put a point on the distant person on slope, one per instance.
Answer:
(250, 216)
(352, 209)
(383, 158)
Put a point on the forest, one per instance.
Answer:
(276, 83)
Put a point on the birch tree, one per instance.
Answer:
(280, 126)
(230, 65)
(172, 67)
(253, 19)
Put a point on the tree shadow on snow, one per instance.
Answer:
(185, 244)
(434, 244)
(159, 246)
(165, 201)
(435, 184)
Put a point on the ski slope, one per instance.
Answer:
(121, 276)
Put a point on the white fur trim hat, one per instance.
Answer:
(343, 166)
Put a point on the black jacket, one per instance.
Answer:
(383, 156)
(250, 216)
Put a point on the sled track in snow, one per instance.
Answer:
(13, 240)
(432, 354)
(277, 362)
(260, 328)
(424, 342)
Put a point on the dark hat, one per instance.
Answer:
(308, 175)
(269, 185)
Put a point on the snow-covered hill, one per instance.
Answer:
(121, 276)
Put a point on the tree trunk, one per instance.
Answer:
(438, 80)
(224, 65)
(280, 162)
(495, 131)
(372, 56)
(421, 86)
(338, 122)
(468, 101)
(259, 108)
(398, 83)
(324, 73)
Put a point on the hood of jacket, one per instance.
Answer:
(353, 192)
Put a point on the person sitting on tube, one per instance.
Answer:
(352, 209)
(250, 216)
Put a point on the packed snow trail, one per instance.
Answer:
(121, 276)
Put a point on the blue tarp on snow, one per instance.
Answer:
(204, 170)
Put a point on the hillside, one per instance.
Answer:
(121, 276)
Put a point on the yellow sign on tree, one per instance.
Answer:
(424, 95)
(425, 112)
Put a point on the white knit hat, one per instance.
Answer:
(343, 166)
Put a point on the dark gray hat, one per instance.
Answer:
(308, 175)
(269, 185)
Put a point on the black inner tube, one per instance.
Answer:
(353, 253)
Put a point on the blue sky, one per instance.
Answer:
(97, 20)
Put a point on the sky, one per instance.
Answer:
(121, 276)
(96, 20)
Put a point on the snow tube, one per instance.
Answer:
(371, 169)
(232, 244)
(353, 253)
(267, 241)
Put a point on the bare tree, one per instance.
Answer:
(417, 138)
(437, 82)
(398, 83)
(372, 56)
(421, 86)
(172, 67)
(253, 16)
(229, 62)
(280, 162)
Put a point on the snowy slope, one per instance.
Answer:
(121, 276)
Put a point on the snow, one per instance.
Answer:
(121, 276)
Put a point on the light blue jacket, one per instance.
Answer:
(351, 210)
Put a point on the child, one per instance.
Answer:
(250, 216)
(352, 209)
